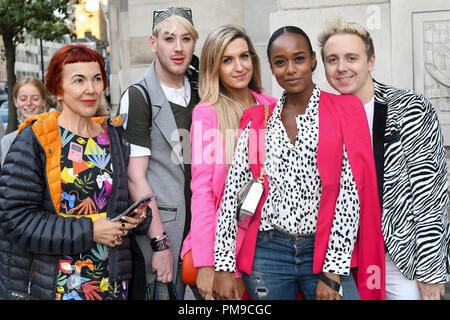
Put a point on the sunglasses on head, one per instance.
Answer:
(160, 15)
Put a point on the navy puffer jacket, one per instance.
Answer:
(32, 235)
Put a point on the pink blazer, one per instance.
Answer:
(341, 120)
(209, 172)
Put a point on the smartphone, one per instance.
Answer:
(141, 203)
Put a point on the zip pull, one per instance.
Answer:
(30, 278)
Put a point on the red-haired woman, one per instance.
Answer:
(63, 180)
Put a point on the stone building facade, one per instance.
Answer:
(411, 38)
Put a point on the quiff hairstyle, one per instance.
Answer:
(339, 25)
(169, 25)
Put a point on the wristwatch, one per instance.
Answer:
(331, 283)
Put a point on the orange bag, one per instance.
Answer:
(189, 272)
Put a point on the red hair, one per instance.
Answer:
(71, 53)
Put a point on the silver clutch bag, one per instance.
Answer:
(249, 196)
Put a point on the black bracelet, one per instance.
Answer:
(331, 283)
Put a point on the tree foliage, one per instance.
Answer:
(45, 19)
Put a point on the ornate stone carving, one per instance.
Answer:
(436, 46)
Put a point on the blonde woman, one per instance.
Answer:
(30, 98)
(227, 86)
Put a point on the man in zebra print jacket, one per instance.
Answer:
(410, 163)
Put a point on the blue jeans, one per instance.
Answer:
(283, 264)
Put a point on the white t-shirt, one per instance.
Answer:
(180, 96)
(369, 107)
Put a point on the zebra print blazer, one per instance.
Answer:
(412, 178)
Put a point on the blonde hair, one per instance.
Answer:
(38, 85)
(339, 25)
(171, 23)
(228, 108)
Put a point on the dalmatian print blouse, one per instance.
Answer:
(293, 201)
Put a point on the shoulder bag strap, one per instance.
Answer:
(266, 120)
(147, 99)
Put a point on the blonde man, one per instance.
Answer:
(410, 162)
(158, 129)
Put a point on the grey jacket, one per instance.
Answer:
(5, 144)
(165, 171)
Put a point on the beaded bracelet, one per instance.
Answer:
(161, 245)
